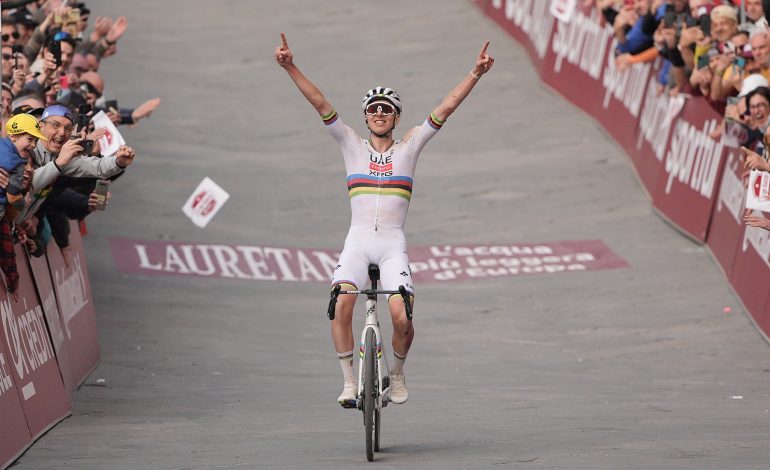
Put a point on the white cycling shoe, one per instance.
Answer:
(348, 397)
(398, 393)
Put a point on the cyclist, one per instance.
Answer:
(379, 180)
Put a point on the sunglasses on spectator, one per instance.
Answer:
(383, 108)
(8, 36)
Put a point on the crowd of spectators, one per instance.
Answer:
(719, 50)
(52, 169)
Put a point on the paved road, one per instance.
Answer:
(630, 368)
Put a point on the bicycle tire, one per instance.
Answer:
(370, 356)
(377, 419)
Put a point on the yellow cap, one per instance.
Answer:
(24, 124)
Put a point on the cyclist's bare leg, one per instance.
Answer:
(342, 335)
(403, 330)
(342, 325)
(403, 334)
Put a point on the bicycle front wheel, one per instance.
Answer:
(370, 391)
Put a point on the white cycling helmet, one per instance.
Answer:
(383, 93)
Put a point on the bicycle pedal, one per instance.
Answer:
(349, 404)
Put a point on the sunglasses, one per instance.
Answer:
(7, 57)
(380, 107)
(8, 36)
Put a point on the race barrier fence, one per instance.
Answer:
(48, 344)
(693, 180)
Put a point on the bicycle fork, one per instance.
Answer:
(382, 381)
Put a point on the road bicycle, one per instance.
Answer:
(373, 378)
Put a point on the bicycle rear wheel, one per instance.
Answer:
(370, 356)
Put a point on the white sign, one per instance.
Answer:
(758, 195)
(563, 9)
(205, 202)
(112, 140)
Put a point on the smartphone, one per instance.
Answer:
(83, 121)
(17, 49)
(64, 82)
(56, 51)
(84, 109)
(705, 24)
(740, 62)
(101, 189)
(703, 61)
(690, 21)
(112, 105)
(669, 18)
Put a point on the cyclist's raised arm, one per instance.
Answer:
(285, 59)
(483, 63)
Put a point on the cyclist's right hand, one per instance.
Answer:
(283, 54)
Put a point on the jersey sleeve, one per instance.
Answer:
(343, 134)
(423, 134)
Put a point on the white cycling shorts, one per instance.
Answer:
(385, 247)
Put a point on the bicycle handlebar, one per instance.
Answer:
(337, 291)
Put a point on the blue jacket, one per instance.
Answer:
(12, 162)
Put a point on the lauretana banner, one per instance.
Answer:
(694, 180)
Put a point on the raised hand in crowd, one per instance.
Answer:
(117, 30)
(96, 135)
(753, 161)
(125, 156)
(755, 220)
(145, 109)
(102, 26)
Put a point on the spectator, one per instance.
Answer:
(25, 24)
(634, 27)
(755, 20)
(9, 34)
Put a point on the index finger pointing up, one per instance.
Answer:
(286, 45)
(484, 49)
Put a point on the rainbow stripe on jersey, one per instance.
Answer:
(400, 186)
(435, 122)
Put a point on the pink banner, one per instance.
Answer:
(32, 359)
(692, 167)
(42, 278)
(726, 230)
(14, 433)
(75, 304)
(439, 263)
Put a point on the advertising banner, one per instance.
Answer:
(14, 433)
(42, 278)
(692, 165)
(32, 360)
(726, 229)
(75, 304)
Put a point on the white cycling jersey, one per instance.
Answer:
(379, 188)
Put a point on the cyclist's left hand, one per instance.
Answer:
(484, 62)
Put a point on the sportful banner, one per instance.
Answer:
(438, 263)
(695, 181)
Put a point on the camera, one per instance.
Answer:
(17, 49)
